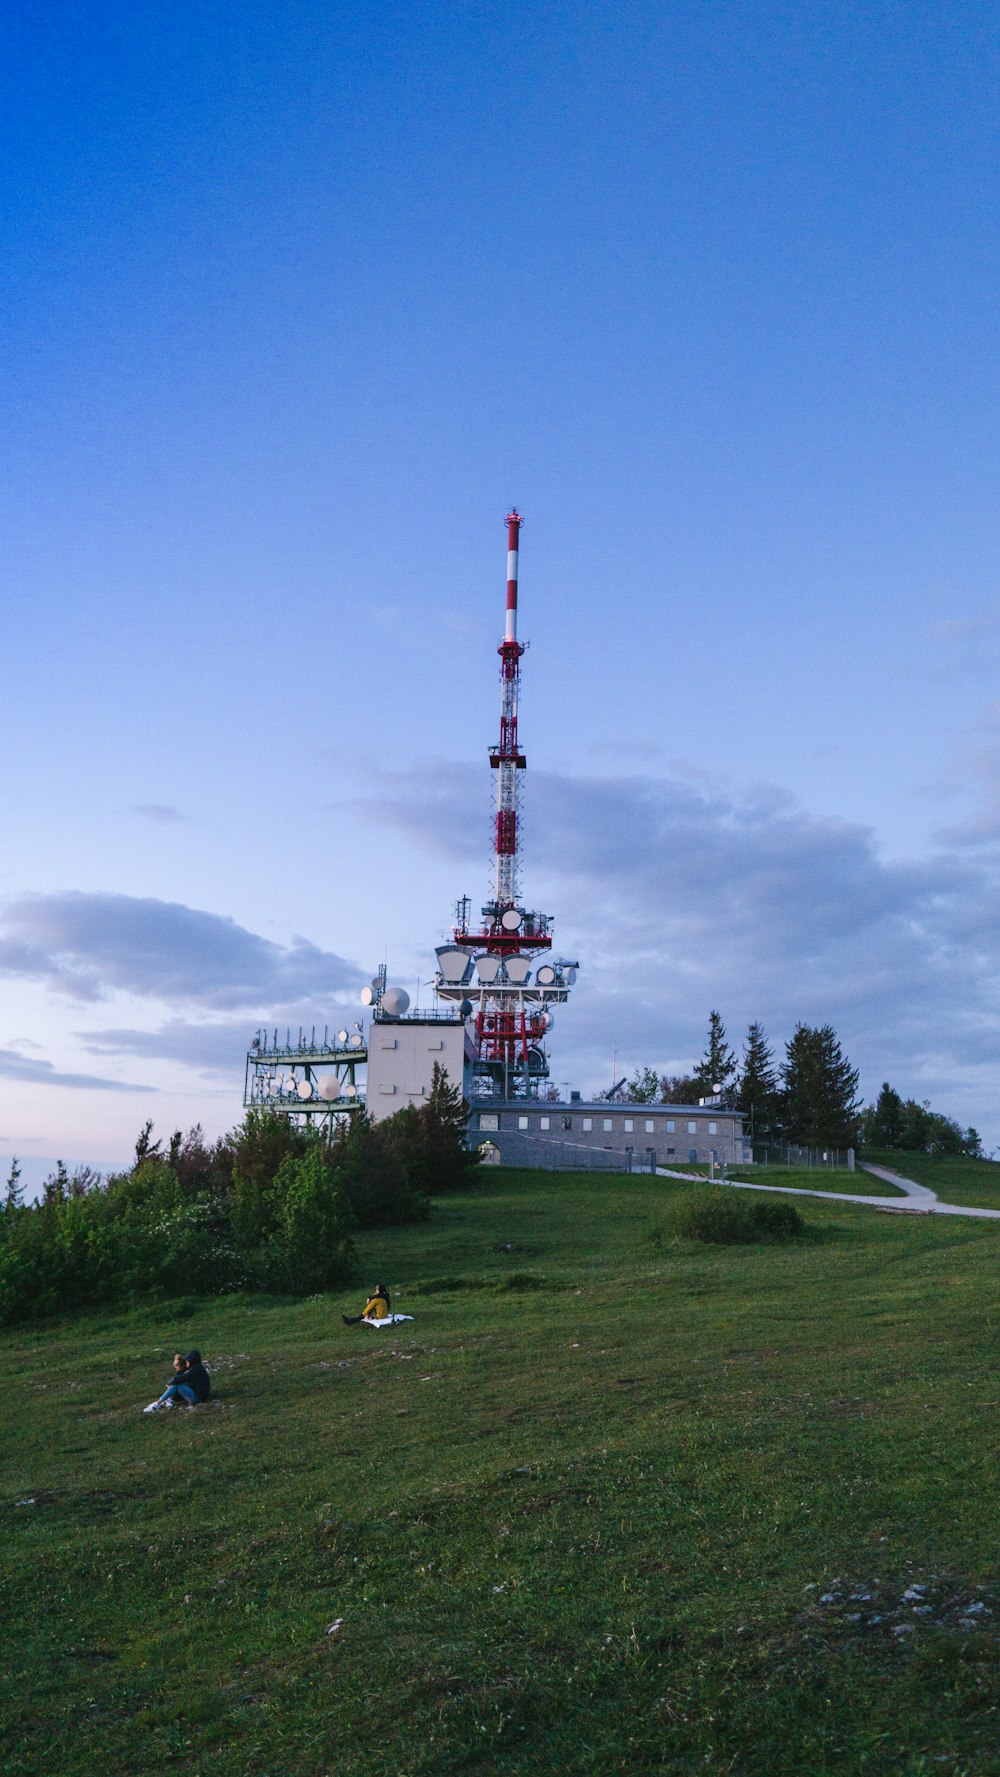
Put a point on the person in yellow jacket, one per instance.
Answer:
(378, 1307)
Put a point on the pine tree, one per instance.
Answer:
(717, 1067)
(757, 1092)
(886, 1126)
(820, 1099)
(14, 1196)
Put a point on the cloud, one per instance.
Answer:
(679, 896)
(27, 1071)
(974, 774)
(212, 1047)
(163, 812)
(90, 945)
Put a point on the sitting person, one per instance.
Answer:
(378, 1307)
(189, 1387)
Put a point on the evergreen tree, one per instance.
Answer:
(14, 1196)
(820, 1100)
(884, 1129)
(146, 1148)
(446, 1157)
(757, 1092)
(717, 1067)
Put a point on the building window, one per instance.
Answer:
(649, 1125)
(671, 1126)
(713, 1129)
(671, 1151)
(629, 1126)
(489, 1120)
(609, 1123)
(588, 1123)
(544, 1123)
(567, 1122)
(692, 1128)
(522, 1122)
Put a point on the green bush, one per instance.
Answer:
(722, 1216)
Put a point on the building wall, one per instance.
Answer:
(401, 1057)
(678, 1134)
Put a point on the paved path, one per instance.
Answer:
(918, 1199)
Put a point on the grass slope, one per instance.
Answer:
(975, 1183)
(611, 1504)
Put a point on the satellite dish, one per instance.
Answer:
(329, 1087)
(487, 967)
(547, 1020)
(569, 977)
(350, 1090)
(546, 976)
(341, 1038)
(465, 1009)
(511, 920)
(367, 996)
(518, 969)
(304, 1089)
(395, 1001)
(356, 1041)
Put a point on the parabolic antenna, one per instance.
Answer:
(546, 976)
(569, 977)
(304, 1089)
(518, 968)
(453, 963)
(487, 967)
(395, 1001)
(547, 1020)
(329, 1087)
(341, 1037)
(356, 1041)
(350, 1090)
(510, 920)
(367, 996)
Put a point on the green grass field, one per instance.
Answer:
(612, 1503)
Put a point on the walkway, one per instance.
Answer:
(918, 1199)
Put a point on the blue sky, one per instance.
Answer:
(296, 301)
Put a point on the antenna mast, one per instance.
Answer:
(502, 971)
(506, 758)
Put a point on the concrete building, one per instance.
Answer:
(402, 1053)
(574, 1134)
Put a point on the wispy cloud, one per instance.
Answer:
(89, 946)
(28, 1071)
(162, 812)
(217, 1047)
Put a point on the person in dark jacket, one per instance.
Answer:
(189, 1387)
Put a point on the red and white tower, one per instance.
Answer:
(503, 971)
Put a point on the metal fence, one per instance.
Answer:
(776, 1154)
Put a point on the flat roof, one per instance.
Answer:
(605, 1106)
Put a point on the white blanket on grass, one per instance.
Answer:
(387, 1320)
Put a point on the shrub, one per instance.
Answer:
(721, 1216)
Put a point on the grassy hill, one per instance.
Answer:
(612, 1503)
(975, 1183)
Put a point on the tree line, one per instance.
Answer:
(267, 1207)
(808, 1098)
